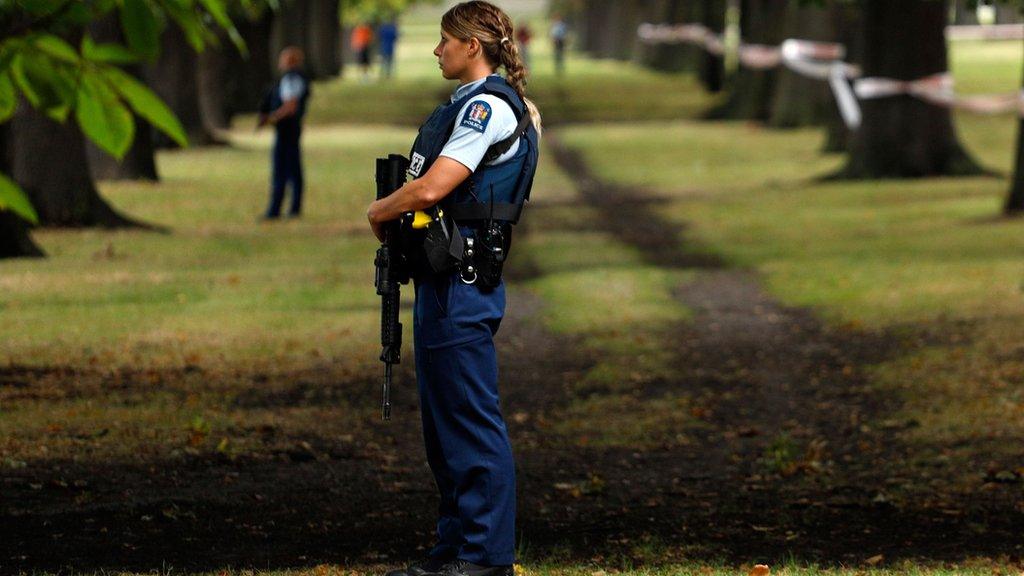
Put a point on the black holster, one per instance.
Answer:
(485, 254)
(437, 249)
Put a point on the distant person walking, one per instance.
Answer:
(559, 38)
(362, 42)
(523, 37)
(283, 107)
(387, 38)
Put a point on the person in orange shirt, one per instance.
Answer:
(362, 41)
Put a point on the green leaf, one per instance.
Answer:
(102, 116)
(109, 53)
(55, 47)
(8, 48)
(145, 103)
(47, 84)
(41, 7)
(14, 199)
(8, 98)
(18, 74)
(190, 23)
(141, 28)
(218, 9)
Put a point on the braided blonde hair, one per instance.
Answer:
(492, 27)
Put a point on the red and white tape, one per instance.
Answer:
(824, 61)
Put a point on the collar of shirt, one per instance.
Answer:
(467, 88)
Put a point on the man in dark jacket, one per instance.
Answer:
(283, 107)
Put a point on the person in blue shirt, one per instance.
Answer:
(387, 38)
(474, 158)
(559, 39)
(284, 108)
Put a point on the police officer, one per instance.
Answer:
(283, 107)
(475, 159)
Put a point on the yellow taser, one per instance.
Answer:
(421, 219)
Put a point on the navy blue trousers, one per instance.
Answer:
(465, 436)
(287, 169)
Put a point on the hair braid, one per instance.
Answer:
(492, 27)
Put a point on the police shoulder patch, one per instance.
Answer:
(478, 114)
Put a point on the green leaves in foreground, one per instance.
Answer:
(102, 116)
(38, 64)
(8, 99)
(146, 103)
(101, 112)
(56, 79)
(141, 28)
(12, 198)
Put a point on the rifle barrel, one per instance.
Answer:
(385, 402)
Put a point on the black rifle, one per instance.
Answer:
(392, 272)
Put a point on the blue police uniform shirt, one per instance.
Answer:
(292, 87)
(483, 121)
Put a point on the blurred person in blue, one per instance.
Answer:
(472, 165)
(559, 39)
(283, 107)
(387, 39)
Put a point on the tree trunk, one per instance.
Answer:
(323, 58)
(628, 19)
(313, 26)
(712, 68)
(848, 22)
(654, 13)
(51, 166)
(605, 40)
(590, 29)
(139, 163)
(798, 100)
(751, 94)
(1014, 205)
(15, 240)
(251, 77)
(211, 87)
(903, 136)
(1015, 201)
(174, 78)
(675, 57)
(1007, 13)
(963, 13)
(607, 20)
(289, 27)
(597, 14)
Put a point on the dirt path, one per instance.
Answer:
(798, 456)
(792, 454)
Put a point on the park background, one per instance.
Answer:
(720, 351)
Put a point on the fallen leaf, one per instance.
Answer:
(760, 570)
(875, 559)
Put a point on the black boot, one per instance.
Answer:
(427, 567)
(464, 568)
